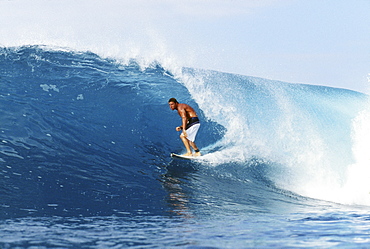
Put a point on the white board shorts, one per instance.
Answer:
(192, 132)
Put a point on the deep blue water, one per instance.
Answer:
(85, 145)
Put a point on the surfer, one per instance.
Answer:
(190, 125)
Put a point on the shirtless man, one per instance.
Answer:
(190, 125)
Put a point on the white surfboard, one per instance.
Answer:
(184, 157)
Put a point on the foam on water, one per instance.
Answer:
(310, 135)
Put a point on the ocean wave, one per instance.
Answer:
(86, 135)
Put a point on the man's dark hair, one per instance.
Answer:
(173, 100)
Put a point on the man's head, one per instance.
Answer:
(173, 103)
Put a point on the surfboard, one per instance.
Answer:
(184, 157)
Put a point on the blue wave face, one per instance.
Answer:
(82, 135)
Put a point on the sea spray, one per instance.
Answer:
(356, 188)
(302, 132)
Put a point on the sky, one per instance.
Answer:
(320, 42)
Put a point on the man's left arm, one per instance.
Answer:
(184, 120)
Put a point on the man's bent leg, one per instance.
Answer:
(187, 145)
(197, 153)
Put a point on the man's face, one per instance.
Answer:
(172, 105)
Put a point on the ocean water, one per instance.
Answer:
(85, 145)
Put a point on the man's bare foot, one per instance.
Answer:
(197, 154)
(188, 154)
